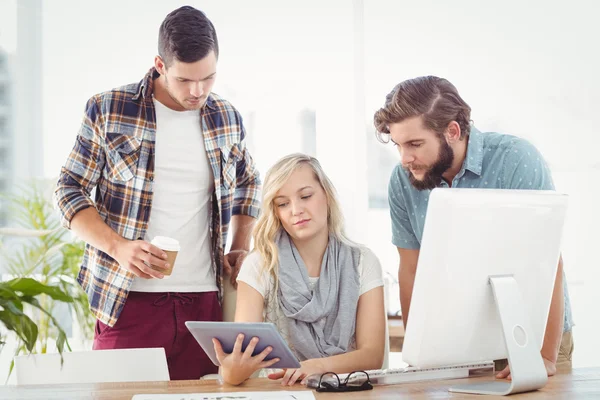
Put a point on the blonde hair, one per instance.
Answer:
(268, 224)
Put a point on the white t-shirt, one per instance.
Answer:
(182, 190)
(370, 277)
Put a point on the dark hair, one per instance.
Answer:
(186, 35)
(433, 98)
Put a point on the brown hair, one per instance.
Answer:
(186, 35)
(433, 98)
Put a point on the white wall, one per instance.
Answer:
(8, 25)
(87, 50)
(529, 68)
(28, 101)
(269, 61)
(276, 59)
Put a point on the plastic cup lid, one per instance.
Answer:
(166, 243)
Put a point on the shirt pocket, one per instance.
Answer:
(123, 153)
(229, 159)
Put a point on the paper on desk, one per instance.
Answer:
(279, 395)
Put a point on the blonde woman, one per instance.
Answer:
(323, 292)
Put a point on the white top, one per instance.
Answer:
(182, 190)
(370, 277)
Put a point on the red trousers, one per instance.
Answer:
(158, 320)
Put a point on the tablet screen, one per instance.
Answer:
(227, 332)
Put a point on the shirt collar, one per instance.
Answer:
(146, 87)
(474, 158)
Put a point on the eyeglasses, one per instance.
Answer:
(355, 381)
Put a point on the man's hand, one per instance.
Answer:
(550, 369)
(137, 256)
(291, 376)
(232, 263)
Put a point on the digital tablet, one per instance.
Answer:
(227, 332)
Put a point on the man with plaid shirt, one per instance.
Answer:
(166, 158)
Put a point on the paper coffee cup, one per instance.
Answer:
(169, 246)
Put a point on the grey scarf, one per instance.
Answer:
(321, 322)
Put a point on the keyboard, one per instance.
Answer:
(394, 376)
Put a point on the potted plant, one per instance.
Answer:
(14, 296)
(43, 260)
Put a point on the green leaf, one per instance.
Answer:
(55, 249)
(19, 350)
(15, 306)
(34, 302)
(10, 370)
(31, 287)
(60, 341)
(7, 293)
(22, 325)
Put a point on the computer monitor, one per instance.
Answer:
(486, 272)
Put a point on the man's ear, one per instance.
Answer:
(160, 65)
(453, 132)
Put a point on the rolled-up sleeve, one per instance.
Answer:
(83, 167)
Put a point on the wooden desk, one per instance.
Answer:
(578, 384)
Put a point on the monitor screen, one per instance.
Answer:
(470, 235)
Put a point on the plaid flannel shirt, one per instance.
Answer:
(114, 153)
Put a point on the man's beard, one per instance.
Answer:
(433, 177)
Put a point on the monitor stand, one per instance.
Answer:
(527, 368)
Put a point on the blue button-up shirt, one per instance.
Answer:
(493, 160)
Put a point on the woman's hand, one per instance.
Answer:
(290, 376)
(237, 366)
